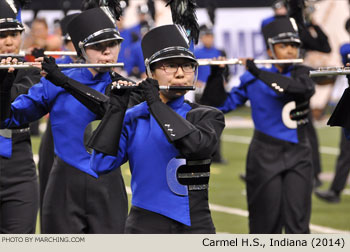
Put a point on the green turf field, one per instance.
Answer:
(226, 189)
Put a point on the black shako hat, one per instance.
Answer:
(8, 20)
(281, 30)
(64, 25)
(164, 42)
(91, 27)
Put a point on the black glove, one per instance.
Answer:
(150, 89)
(253, 68)
(54, 74)
(38, 52)
(106, 137)
(214, 93)
(120, 97)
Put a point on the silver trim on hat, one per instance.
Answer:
(95, 34)
(14, 21)
(285, 37)
(170, 49)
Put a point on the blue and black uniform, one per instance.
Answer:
(279, 164)
(160, 150)
(19, 189)
(74, 202)
(46, 148)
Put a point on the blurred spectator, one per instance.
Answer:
(206, 51)
(143, 18)
(279, 8)
(134, 63)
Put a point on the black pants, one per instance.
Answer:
(343, 165)
(313, 139)
(141, 221)
(279, 185)
(75, 202)
(46, 158)
(19, 192)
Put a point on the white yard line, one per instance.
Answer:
(241, 212)
(244, 213)
(246, 140)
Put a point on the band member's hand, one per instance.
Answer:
(54, 74)
(218, 69)
(251, 67)
(150, 89)
(119, 97)
(8, 61)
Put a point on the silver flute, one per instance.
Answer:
(26, 65)
(46, 53)
(171, 88)
(204, 62)
(325, 71)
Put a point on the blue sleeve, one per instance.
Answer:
(238, 95)
(344, 51)
(101, 163)
(32, 106)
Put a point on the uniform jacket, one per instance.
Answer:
(267, 105)
(69, 117)
(25, 78)
(148, 149)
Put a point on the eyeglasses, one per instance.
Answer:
(189, 67)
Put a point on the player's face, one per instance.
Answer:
(174, 72)
(10, 41)
(105, 52)
(286, 50)
(102, 53)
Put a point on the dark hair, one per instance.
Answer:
(347, 25)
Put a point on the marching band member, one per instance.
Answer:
(75, 202)
(167, 141)
(46, 148)
(19, 195)
(279, 163)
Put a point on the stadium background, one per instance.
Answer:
(237, 31)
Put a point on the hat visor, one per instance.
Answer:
(106, 36)
(286, 40)
(11, 26)
(173, 55)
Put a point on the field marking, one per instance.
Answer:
(246, 140)
(244, 213)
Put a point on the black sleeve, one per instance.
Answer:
(106, 137)
(341, 116)
(300, 86)
(319, 43)
(15, 84)
(25, 79)
(202, 142)
(214, 93)
(95, 101)
(196, 136)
